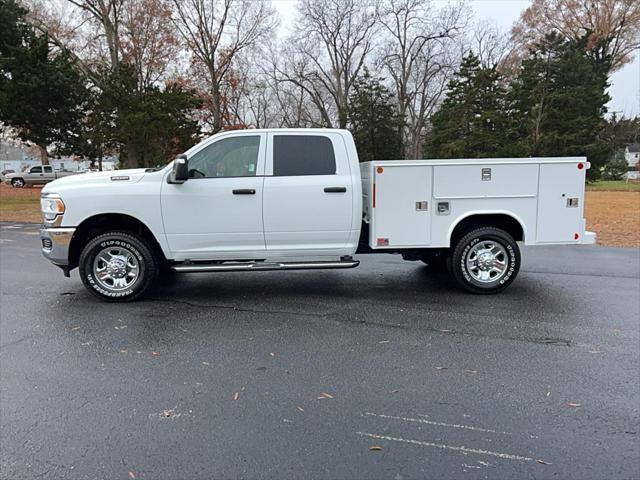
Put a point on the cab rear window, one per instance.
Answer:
(295, 155)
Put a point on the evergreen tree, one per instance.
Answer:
(616, 167)
(42, 94)
(558, 103)
(375, 124)
(148, 126)
(471, 121)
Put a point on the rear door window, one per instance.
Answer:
(295, 155)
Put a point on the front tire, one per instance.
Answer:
(17, 183)
(485, 260)
(118, 266)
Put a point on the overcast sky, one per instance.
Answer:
(625, 84)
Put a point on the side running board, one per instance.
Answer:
(261, 266)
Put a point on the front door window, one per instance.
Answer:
(228, 157)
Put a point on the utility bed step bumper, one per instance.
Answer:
(262, 266)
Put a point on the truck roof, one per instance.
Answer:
(285, 130)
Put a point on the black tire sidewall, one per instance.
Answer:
(14, 183)
(147, 263)
(459, 268)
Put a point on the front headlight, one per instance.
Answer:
(51, 206)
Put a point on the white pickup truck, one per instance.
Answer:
(288, 199)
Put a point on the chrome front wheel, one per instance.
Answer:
(116, 268)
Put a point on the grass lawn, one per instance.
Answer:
(614, 216)
(20, 204)
(613, 186)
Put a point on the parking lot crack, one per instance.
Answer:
(240, 309)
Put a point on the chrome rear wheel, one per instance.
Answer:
(487, 261)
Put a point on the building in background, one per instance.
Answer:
(632, 155)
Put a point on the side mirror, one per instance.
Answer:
(180, 171)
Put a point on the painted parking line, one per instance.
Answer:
(442, 446)
(430, 422)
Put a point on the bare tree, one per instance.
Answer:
(612, 27)
(108, 14)
(418, 59)
(149, 42)
(491, 44)
(103, 33)
(327, 51)
(216, 31)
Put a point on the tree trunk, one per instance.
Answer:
(44, 156)
(216, 106)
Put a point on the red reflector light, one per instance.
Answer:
(576, 236)
(580, 166)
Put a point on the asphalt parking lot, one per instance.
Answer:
(385, 371)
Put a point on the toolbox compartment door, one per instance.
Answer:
(402, 208)
(560, 203)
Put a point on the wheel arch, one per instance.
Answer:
(505, 220)
(104, 222)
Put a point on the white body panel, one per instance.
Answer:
(203, 218)
(533, 191)
(397, 216)
(300, 218)
(555, 219)
(91, 194)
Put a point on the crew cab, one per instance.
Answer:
(35, 175)
(285, 199)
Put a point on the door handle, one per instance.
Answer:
(244, 191)
(335, 189)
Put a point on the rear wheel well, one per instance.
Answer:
(498, 220)
(93, 226)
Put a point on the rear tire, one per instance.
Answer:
(485, 260)
(118, 266)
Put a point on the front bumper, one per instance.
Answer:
(55, 245)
